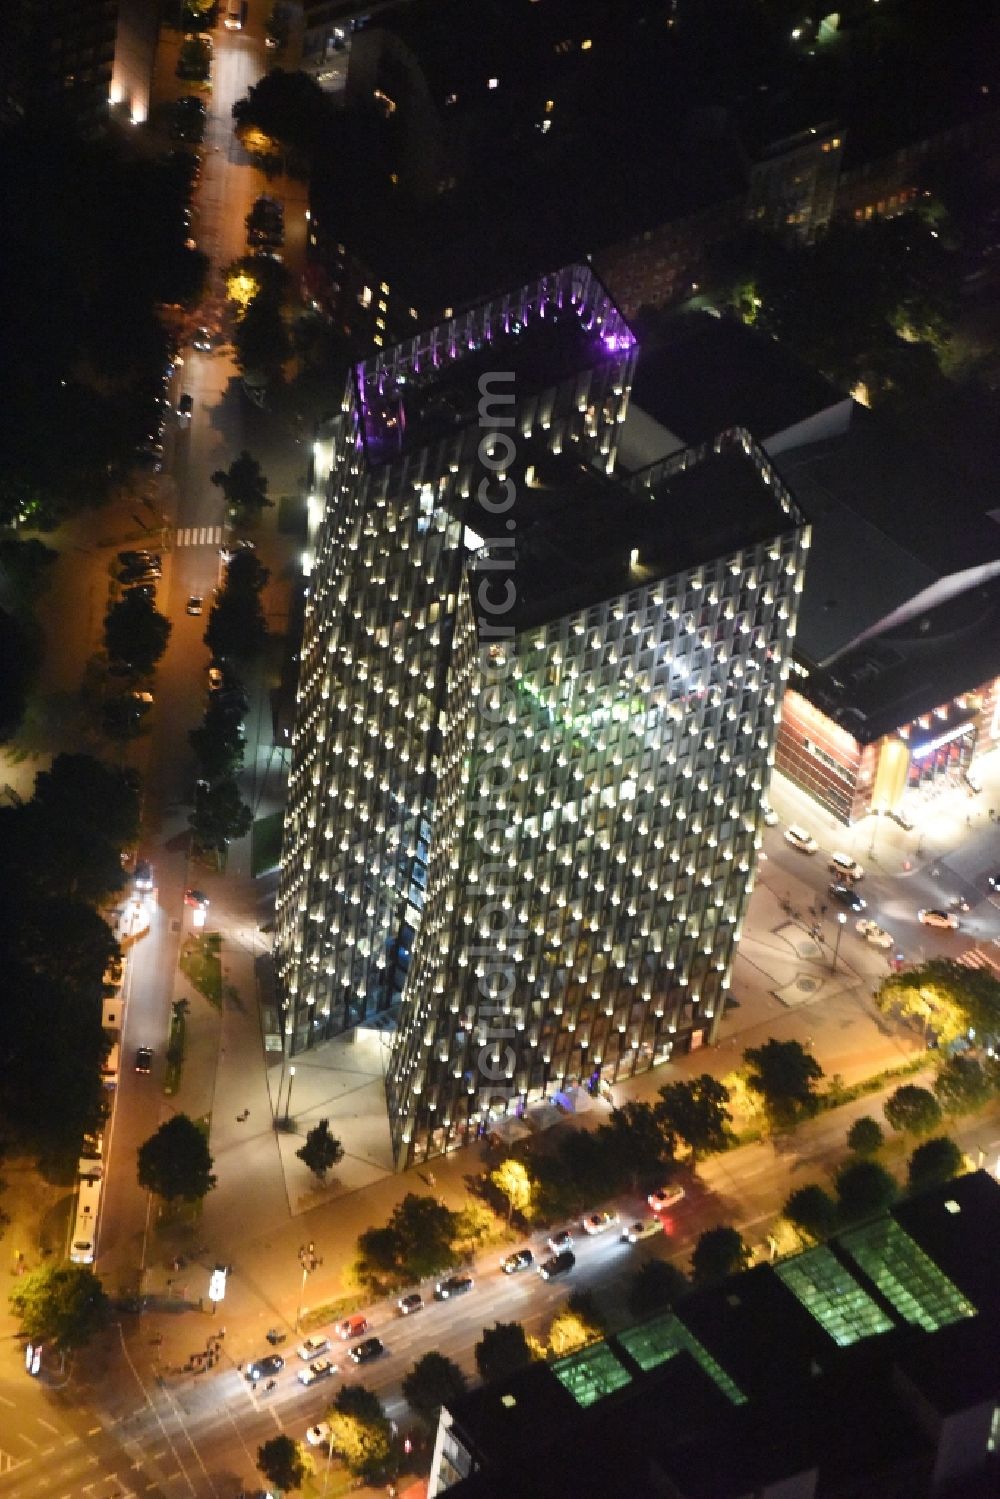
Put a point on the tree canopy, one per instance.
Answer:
(433, 1381)
(176, 1162)
(656, 1285)
(963, 1085)
(864, 1188)
(261, 340)
(719, 1252)
(785, 1074)
(236, 625)
(812, 1211)
(416, 1242)
(62, 1304)
(244, 485)
(134, 632)
(950, 997)
(694, 1111)
(321, 1150)
(865, 1136)
(288, 108)
(635, 1144)
(502, 1350)
(933, 1163)
(360, 1433)
(280, 1461)
(913, 1110)
(219, 816)
(513, 1180)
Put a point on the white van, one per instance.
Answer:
(845, 868)
(111, 1014)
(109, 1071)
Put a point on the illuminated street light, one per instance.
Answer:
(841, 923)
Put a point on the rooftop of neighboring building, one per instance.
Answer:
(699, 374)
(894, 1335)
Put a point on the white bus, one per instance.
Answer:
(84, 1245)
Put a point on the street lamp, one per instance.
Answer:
(288, 1100)
(841, 923)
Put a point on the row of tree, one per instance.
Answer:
(62, 862)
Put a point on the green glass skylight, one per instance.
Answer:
(907, 1277)
(830, 1293)
(591, 1374)
(653, 1343)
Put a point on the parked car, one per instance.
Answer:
(312, 1347)
(200, 900)
(521, 1259)
(643, 1228)
(138, 559)
(800, 839)
(319, 1435)
(321, 1369)
(185, 406)
(770, 815)
(559, 1264)
(665, 1197)
(363, 1353)
(846, 868)
(195, 604)
(846, 895)
(452, 1286)
(143, 1059)
(598, 1223)
(561, 1240)
(944, 920)
(144, 590)
(352, 1327)
(264, 1368)
(143, 875)
(875, 934)
(407, 1305)
(216, 678)
(202, 341)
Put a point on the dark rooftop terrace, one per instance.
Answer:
(578, 533)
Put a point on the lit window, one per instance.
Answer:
(550, 105)
(586, 44)
(384, 286)
(493, 83)
(365, 296)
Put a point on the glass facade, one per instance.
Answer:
(530, 830)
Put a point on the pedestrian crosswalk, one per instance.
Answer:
(199, 536)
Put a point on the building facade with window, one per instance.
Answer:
(529, 830)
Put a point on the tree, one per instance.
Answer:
(321, 1150)
(572, 1328)
(656, 1285)
(175, 1162)
(243, 484)
(416, 1242)
(865, 1136)
(218, 745)
(912, 1110)
(513, 1180)
(219, 816)
(947, 996)
(635, 1144)
(784, 1074)
(280, 1461)
(260, 339)
(236, 625)
(933, 1163)
(812, 1211)
(100, 801)
(864, 1188)
(432, 1382)
(501, 1351)
(135, 633)
(287, 107)
(962, 1085)
(695, 1112)
(360, 1432)
(62, 1304)
(719, 1252)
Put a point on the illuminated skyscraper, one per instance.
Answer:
(536, 718)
